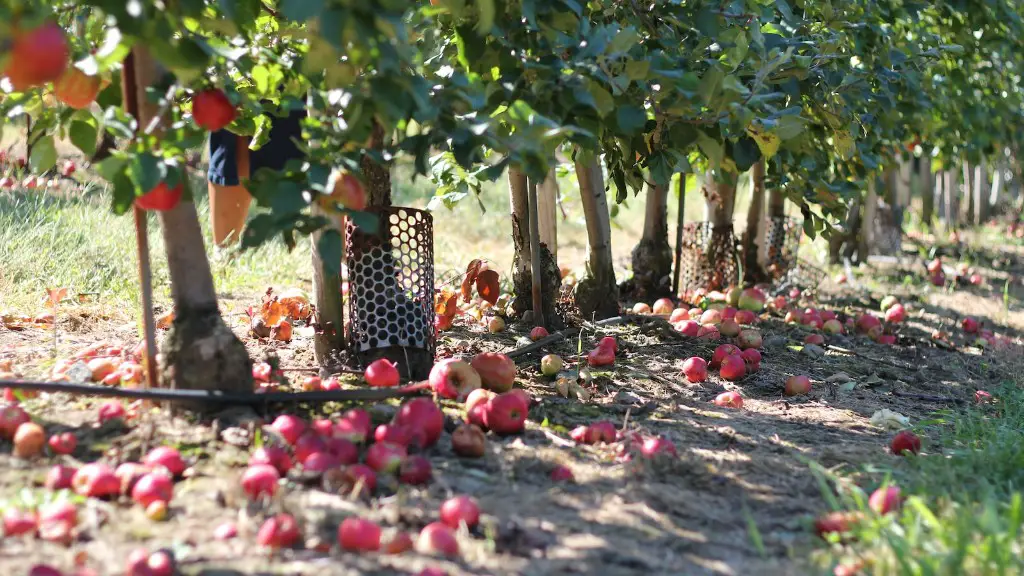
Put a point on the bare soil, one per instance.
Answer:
(738, 500)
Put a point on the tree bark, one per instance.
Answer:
(867, 227)
(680, 224)
(327, 295)
(652, 256)
(377, 176)
(952, 194)
(980, 199)
(720, 195)
(753, 236)
(519, 201)
(596, 295)
(547, 211)
(536, 291)
(199, 352)
(929, 190)
(968, 195)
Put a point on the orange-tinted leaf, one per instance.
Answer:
(164, 321)
(55, 295)
(487, 285)
(446, 303)
(469, 279)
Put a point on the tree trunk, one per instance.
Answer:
(951, 191)
(680, 225)
(776, 209)
(968, 195)
(327, 295)
(929, 190)
(720, 195)
(652, 257)
(867, 227)
(547, 208)
(980, 201)
(199, 352)
(520, 205)
(998, 184)
(377, 176)
(753, 236)
(596, 295)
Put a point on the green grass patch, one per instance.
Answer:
(963, 513)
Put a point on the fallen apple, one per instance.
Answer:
(733, 368)
(730, 399)
(797, 385)
(152, 487)
(59, 477)
(538, 332)
(695, 369)
(688, 328)
(895, 314)
(495, 324)
(437, 539)
(359, 535)
(905, 441)
(460, 510)
(654, 447)
(550, 364)
(663, 306)
(729, 328)
(506, 414)
(562, 474)
(497, 371)
(289, 427)
(815, 339)
(970, 325)
(678, 315)
(885, 500)
(836, 523)
(385, 458)
(468, 440)
(382, 373)
(391, 434)
(18, 522)
(167, 457)
(415, 470)
(11, 417)
(832, 326)
(424, 418)
(641, 308)
(722, 352)
(307, 444)
(749, 338)
(96, 480)
(453, 379)
(260, 481)
(354, 425)
(752, 358)
(888, 302)
(29, 440)
(275, 456)
(711, 317)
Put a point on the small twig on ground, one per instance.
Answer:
(557, 337)
(866, 357)
(928, 397)
(558, 440)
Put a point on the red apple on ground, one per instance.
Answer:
(382, 373)
(730, 399)
(460, 510)
(752, 299)
(970, 325)
(752, 358)
(57, 521)
(745, 317)
(695, 369)
(905, 441)
(733, 368)
(260, 480)
(278, 531)
(11, 417)
(307, 444)
(749, 338)
(538, 332)
(392, 434)
(397, 543)
(290, 427)
(361, 474)
(816, 339)
(678, 315)
(96, 480)
(708, 332)
(354, 426)
(722, 352)
(424, 418)
(885, 500)
(832, 326)
(506, 414)
(729, 328)
(275, 456)
(151, 488)
(437, 539)
(657, 446)
(797, 385)
(359, 535)
(497, 371)
(415, 470)
(711, 316)
(836, 523)
(385, 458)
(17, 522)
(561, 474)
(688, 328)
(168, 457)
(59, 477)
(641, 308)
(895, 314)
(663, 306)
(29, 440)
(453, 379)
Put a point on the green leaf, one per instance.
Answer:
(110, 167)
(83, 136)
(768, 142)
(485, 18)
(124, 192)
(287, 198)
(711, 148)
(845, 144)
(790, 127)
(147, 171)
(637, 69)
(602, 98)
(301, 10)
(242, 12)
(44, 155)
(624, 40)
(367, 223)
(745, 153)
(710, 84)
(630, 119)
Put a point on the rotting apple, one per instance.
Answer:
(970, 325)
(459, 510)
(453, 379)
(729, 328)
(497, 371)
(382, 373)
(360, 475)
(29, 440)
(538, 332)
(496, 324)
(749, 338)
(711, 317)
(398, 542)
(469, 441)
(815, 339)
(354, 426)
(550, 364)
(415, 470)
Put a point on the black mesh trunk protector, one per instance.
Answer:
(709, 258)
(781, 244)
(391, 279)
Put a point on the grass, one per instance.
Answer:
(965, 509)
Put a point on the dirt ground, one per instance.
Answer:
(738, 500)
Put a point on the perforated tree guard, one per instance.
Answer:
(888, 237)
(802, 275)
(391, 278)
(781, 244)
(709, 258)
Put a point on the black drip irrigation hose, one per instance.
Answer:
(213, 397)
(254, 399)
